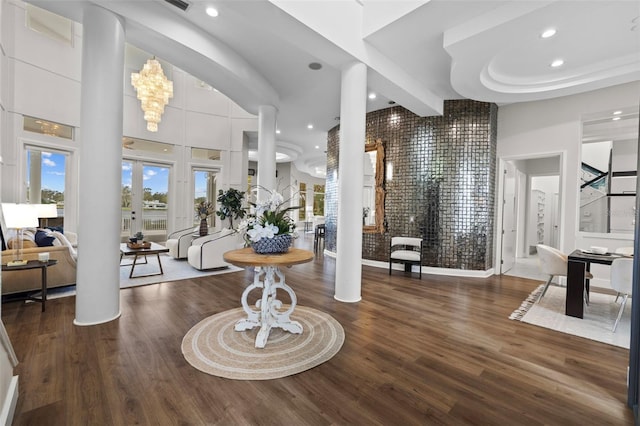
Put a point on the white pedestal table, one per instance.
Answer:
(269, 278)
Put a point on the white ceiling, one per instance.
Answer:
(419, 53)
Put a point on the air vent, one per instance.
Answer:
(180, 4)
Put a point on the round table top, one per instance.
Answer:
(248, 257)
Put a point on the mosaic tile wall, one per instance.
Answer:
(443, 183)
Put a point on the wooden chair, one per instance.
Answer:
(406, 250)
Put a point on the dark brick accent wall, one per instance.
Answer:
(443, 184)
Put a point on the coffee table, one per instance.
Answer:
(136, 253)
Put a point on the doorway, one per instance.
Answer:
(530, 212)
(145, 199)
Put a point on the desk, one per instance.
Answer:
(579, 263)
(153, 249)
(267, 314)
(35, 264)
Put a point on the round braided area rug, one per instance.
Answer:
(214, 347)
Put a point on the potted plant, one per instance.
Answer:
(270, 229)
(230, 205)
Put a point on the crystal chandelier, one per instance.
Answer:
(154, 92)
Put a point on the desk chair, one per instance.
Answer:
(554, 263)
(319, 235)
(621, 282)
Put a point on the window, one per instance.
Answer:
(318, 200)
(303, 201)
(205, 154)
(49, 128)
(53, 26)
(204, 189)
(134, 144)
(46, 172)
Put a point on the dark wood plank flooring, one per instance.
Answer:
(437, 351)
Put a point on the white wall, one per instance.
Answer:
(554, 126)
(43, 80)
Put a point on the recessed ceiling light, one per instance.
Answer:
(557, 63)
(616, 118)
(315, 66)
(548, 33)
(372, 95)
(617, 112)
(212, 11)
(309, 126)
(317, 147)
(278, 131)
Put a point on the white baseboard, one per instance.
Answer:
(425, 269)
(10, 402)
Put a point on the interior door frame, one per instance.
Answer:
(500, 207)
(503, 196)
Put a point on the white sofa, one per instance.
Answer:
(179, 242)
(206, 252)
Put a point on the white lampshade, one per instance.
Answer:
(19, 216)
(45, 211)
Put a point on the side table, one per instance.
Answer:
(35, 264)
(268, 312)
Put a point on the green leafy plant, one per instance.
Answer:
(230, 205)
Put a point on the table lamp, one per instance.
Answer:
(18, 217)
(45, 211)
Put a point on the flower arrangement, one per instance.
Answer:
(269, 225)
(204, 209)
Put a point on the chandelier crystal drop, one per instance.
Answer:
(154, 92)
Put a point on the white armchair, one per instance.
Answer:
(179, 242)
(555, 263)
(206, 252)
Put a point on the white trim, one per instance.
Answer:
(10, 402)
(6, 343)
(83, 324)
(425, 269)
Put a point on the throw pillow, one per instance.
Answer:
(44, 238)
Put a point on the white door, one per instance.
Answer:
(145, 203)
(509, 218)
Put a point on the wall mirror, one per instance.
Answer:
(608, 172)
(373, 191)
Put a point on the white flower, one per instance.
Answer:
(259, 232)
(275, 200)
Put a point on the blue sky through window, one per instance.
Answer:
(53, 170)
(154, 177)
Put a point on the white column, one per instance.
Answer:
(98, 278)
(353, 110)
(266, 149)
